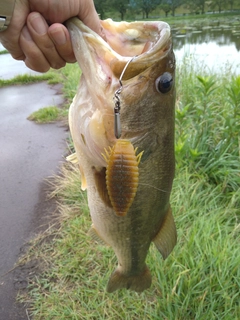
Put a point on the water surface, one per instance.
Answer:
(216, 46)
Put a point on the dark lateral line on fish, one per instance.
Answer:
(117, 122)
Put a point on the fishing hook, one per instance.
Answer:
(117, 108)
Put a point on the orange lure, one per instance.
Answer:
(122, 175)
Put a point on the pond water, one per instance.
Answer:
(215, 47)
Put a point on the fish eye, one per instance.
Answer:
(164, 83)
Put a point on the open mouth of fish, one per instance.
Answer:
(147, 42)
(103, 62)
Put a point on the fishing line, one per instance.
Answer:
(117, 108)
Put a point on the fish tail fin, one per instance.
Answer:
(137, 283)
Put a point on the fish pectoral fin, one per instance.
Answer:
(100, 180)
(83, 179)
(138, 283)
(72, 158)
(95, 236)
(166, 238)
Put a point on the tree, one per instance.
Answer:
(101, 6)
(192, 6)
(149, 5)
(231, 2)
(146, 6)
(121, 6)
(174, 4)
(166, 8)
(134, 6)
(219, 4)
(202, 5)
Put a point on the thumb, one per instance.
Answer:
(89, 16)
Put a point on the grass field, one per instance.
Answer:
(201, 278)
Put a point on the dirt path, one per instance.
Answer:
(29, 154)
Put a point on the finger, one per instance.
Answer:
(11, 43)
(61, 38)
(10, 37)
(34, 58)
(38, 29)
(89, 16)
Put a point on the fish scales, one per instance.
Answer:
(147, 120)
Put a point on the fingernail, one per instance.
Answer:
(58, 36)
(38, 24)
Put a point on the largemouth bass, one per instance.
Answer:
(126, 157)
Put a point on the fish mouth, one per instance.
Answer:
(147, 42)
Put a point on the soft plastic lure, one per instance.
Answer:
(122, 175)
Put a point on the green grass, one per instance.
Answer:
(201, 278)
(208, 126)
(70, 79)
(51, 77)
(45, 115)
(3, 52)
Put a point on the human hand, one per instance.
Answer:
(37, 36)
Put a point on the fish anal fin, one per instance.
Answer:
(166, 238)
(95, 236)
(138, 283)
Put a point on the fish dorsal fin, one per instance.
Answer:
(166, 238)
(95, 236)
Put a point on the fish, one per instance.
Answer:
(122, 125)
